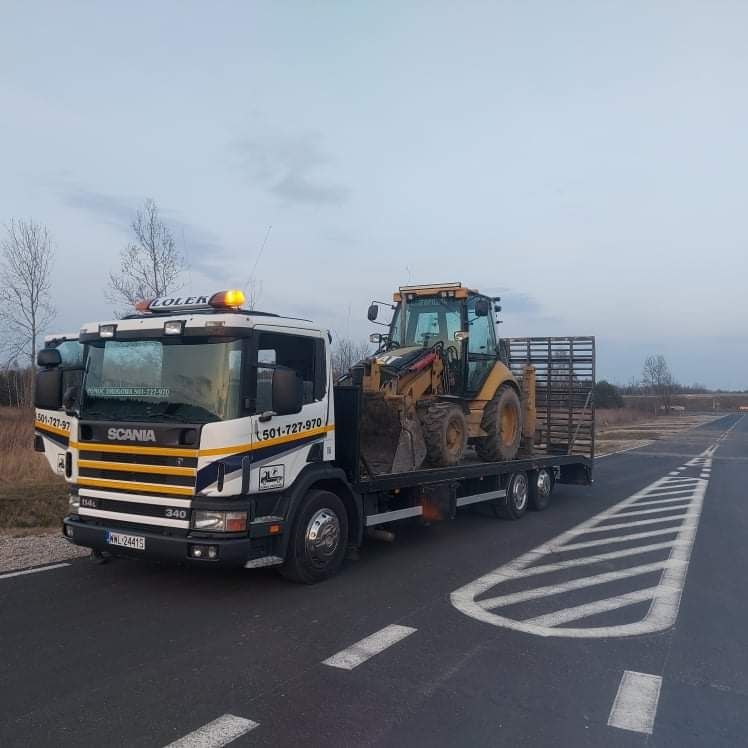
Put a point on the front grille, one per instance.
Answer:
(142, 470)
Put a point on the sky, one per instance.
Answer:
(588, 161)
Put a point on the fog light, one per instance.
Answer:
(68, 531)
(107, 331)
(204, 551)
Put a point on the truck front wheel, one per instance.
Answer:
(319, 538)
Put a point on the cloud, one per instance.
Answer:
(202, 248)
(292, 168)
(109, 209)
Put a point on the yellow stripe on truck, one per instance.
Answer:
(266, 442)
(52, 429)
(126, 485)
(128, 449)
(127, 467)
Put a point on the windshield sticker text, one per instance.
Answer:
(162, 392)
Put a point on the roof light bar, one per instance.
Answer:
(430, 285)
(231, 299)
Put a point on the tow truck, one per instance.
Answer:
(205, 433)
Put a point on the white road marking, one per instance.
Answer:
(680, 500)
(635, 705)
(32, 571)
(217, 733)
(365, 649)
(575, 584)
(656, 510)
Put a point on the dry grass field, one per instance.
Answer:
(30, 494)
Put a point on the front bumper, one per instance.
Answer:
(231, 551)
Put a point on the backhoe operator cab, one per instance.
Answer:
(439, 373)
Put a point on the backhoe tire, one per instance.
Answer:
(502, 422)
(445, 431)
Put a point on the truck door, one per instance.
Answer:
(52, 427)
(282, 445)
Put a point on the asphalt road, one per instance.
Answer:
(617, 617)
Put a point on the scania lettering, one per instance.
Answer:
(132, 435)
(205, 433)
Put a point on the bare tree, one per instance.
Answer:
(150, 266)
(658, 379)
(26, 257)
(345, 353)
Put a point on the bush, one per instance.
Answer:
(607, 395)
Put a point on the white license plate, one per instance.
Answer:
(137, 542)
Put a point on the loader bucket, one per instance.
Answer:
(391, 438)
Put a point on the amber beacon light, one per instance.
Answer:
(232, 299)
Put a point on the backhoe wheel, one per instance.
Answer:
(502, 422)
(514, 504)
(319, 538)
(445, 432)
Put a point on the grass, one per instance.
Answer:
(607, 417)
(31, 495)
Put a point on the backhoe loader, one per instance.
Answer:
(438, 384)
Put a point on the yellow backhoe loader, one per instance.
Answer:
(438, 384)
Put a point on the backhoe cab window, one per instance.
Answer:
(305, 355)
(427, 321)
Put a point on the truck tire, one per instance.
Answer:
(514, 504)
(319, 539)
(502, 422)
(445, 431)
(541, 488)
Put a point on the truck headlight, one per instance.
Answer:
(212, 521)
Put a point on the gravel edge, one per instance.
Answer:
(39, 549)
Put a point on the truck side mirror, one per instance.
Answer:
(373, 312)
(288, 391)
(48, 388)
(482, 307)
(48, 358)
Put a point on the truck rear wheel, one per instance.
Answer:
(502, 422)
(319, 538)
(445, 432)
(541, 487)
(514, 504)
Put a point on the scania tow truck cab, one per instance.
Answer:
(198, 432)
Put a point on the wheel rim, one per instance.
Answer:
(322, 537)
(509, 421)
(544, 483)
(519, 491)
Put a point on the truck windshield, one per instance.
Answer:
(194, 382)
(427, 321)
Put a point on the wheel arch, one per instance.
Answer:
(325, 478)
